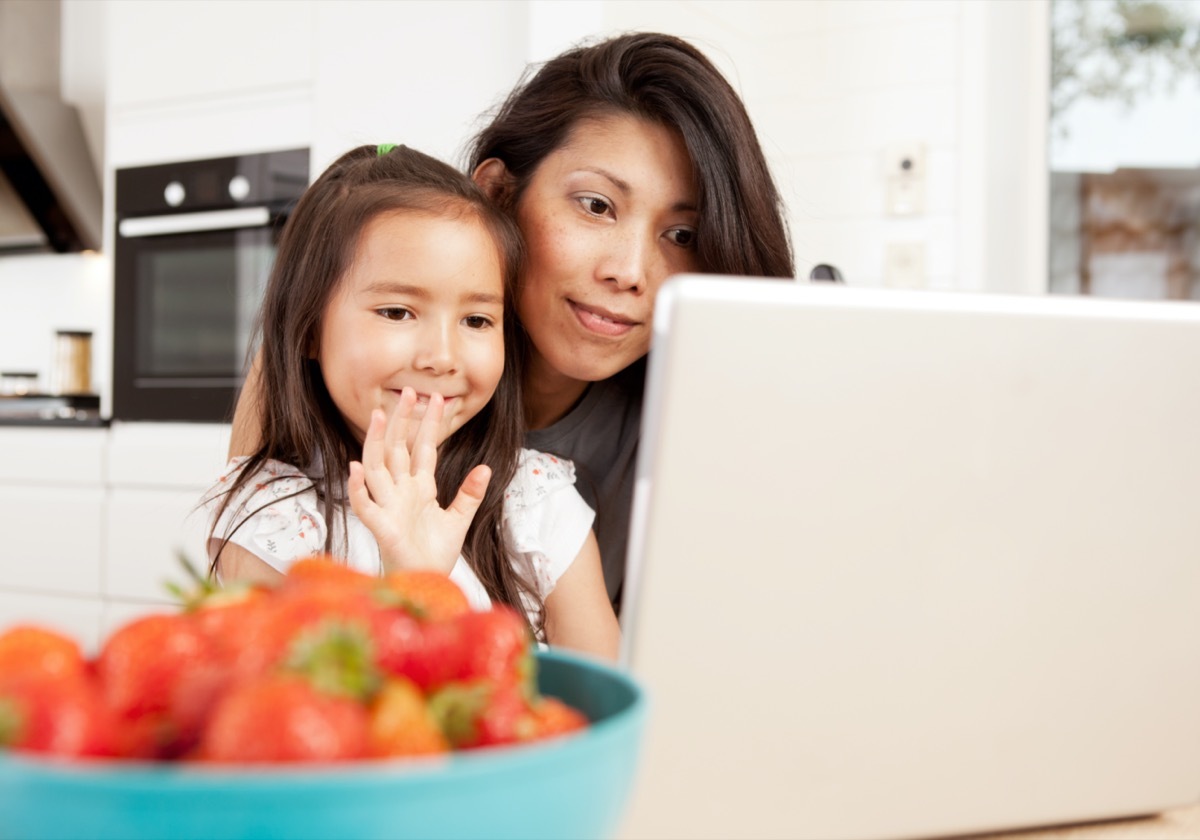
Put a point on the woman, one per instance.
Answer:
(623, 162)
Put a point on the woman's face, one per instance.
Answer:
(607, 217)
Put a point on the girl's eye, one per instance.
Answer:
(683, 237)
(396, 313)
(596, 206)
(478, 322)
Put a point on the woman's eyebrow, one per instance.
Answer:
(623, 186)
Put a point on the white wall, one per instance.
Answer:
(835, 87)
(42, 293)
(832, 86)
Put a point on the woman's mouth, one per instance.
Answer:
(601, 321)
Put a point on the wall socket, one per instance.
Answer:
(904, 171)
(904, 265)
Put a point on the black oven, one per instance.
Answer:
(193, 247)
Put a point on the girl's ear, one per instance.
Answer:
(494, 179)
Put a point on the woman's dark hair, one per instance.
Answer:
(301, 426)
(665, 80)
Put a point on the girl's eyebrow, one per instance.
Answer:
(385, 287)
(623, 186)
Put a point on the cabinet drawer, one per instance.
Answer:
(52, 455)
(53, 538)
(147, 529)
(183, 455)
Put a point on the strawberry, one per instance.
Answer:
(482, 713)
(282, 717)
(222, 613)
(325, 570)
(429, 653)
(552, 717)
(401, 723)
(63, 715)
(140, 662)
(140, 668)
(271, 630)
(496, 645)
(429, 595)
(30, 648)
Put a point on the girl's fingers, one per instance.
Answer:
(360, 499)
(396, 439)
(424, 450)
(377, 478)
(470, 494)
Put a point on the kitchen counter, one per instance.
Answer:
(1179, 824)
(70, 410)
(90, 422)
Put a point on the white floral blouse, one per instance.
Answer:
(277, 518)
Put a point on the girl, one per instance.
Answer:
(384, 331)
(622, 162)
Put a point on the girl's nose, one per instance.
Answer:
(437, 351)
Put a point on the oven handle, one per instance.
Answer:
(239, 217)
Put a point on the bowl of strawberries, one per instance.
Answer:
(333, 705)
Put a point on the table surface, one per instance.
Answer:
(1180, 824)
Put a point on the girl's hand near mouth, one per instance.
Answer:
(394, 492)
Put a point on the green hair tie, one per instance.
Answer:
(383, 148)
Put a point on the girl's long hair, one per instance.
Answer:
(663, 79)
(302, 427)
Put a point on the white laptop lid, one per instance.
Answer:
(912, 563)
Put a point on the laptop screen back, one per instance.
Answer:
(913, 563)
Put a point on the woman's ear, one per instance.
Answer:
(494, 179)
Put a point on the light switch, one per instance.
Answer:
(904, 265)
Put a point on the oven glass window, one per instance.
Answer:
(197, 302)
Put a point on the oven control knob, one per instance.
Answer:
(174, 193)
(239, 187)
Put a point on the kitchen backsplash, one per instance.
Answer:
(42, 293)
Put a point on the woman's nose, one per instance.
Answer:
(627, 263)
(437, 350)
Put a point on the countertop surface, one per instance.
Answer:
(1179, 824)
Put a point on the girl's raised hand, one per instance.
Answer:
(394, 492)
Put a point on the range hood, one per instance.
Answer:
(50, 197)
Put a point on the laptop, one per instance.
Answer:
(914, 564)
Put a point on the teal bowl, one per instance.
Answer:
(576, 786)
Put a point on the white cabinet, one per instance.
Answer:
(193, 79)
(156, 475)
(188, 50)
(52, 538)
(52, 509)
(148, 529)
(93, 520)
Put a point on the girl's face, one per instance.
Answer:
(422, 304)
(607, 217)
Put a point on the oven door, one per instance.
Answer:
(186, 299)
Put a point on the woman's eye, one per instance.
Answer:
(683, 237)
(595, 206)
(395, 313)
(477, 322)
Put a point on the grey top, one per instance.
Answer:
(600, 434)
